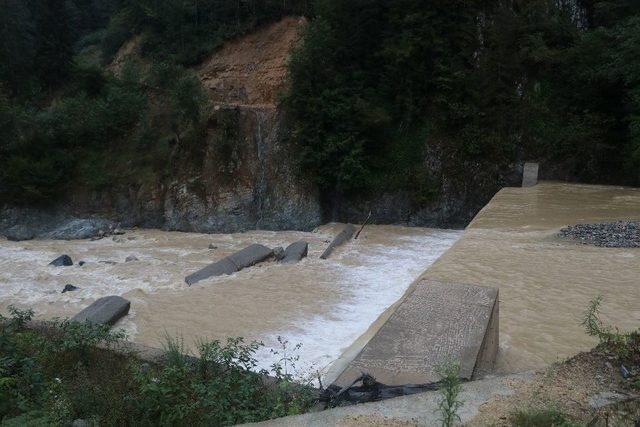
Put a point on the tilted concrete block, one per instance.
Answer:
(346, 234)
(296, 251)
(105, 310)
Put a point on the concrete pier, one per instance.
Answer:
(530, 174)
(435, 323)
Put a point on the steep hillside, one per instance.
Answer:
(251, 70)
(241, 176)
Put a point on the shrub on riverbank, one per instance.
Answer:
(622, 346)
(56, 374)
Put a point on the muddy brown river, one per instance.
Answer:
(545, 283)
(322, 304)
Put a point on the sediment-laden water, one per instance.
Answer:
(546, 282)
(322, 304)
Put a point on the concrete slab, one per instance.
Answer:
(218, 268)
(434, 324)
(250, 255)
(105, 310)
(244, 258)
(346, 234)
(295, 251)
(415, 410)
(530, 174)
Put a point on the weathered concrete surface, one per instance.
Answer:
(435, 323)
(105, 310)
(296, 251)
(415, 410)
(218, 268)
(346, 234)
(244, 258)
(530, 174)
(250, 255)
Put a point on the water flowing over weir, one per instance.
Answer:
(323, 304)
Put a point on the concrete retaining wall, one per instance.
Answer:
(434, 324)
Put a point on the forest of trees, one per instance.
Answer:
(379, 85)
(376, 88)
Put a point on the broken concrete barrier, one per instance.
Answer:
(247, 257)
(530, 174)
(250, 255)
(62, 261)
(341, 238)
(435, 323)
(105, 311)
(295, 251)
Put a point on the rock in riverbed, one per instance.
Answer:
(62, 261)
(69, 288)
(619, 234)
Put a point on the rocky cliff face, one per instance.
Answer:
(243, 178)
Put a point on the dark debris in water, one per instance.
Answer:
(618, 234)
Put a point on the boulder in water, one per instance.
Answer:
(69, 288)
(131, 258)
(62, 261)
(296, 251)
(105, 311)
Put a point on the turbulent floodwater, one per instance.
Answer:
(322, 304)
(546, 282)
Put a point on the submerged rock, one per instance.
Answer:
(131, 258)
(62, 261)
(212, 246)
(69, 288)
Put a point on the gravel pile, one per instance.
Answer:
(619, 234)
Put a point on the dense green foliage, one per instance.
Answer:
(401, 95)
(380, 88)
(56, 374)
(622, 346)
(65, 120)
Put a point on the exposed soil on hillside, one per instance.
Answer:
(251, 70)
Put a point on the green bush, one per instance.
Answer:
(64, 370)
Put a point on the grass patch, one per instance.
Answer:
(541, 418)
(58, 373)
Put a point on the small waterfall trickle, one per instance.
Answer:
(260, 190)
